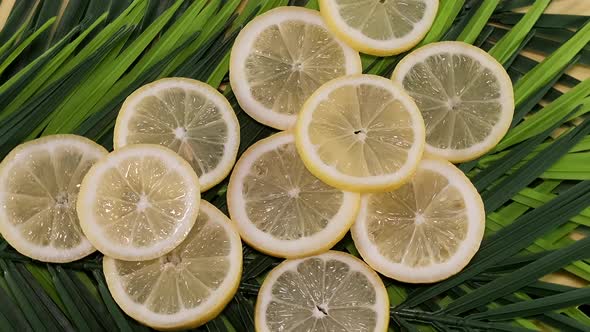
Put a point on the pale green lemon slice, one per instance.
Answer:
(280, 208)
(280, 58)
(39, 185)
(465, 97)
(139, 203)
(188, 117)
(187, 287)
(425, 231)
(333, 291)
(380, 27)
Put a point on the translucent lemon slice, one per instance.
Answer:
(360, 133)
(465, 97)
(280, 58)
(280, 208)
(39, 182)
(139, 202)
(187, 287)
(380, 27)
(333, 291)
(425, 231)
(187, 116)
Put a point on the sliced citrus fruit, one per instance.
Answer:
(333, 291)
(186, 287)
(465, 97)
(187, 116)
(139, 202)
(360, 133)
(380, 27)
(39, 182)
(425, 231)
(280, 58)
(280, 208)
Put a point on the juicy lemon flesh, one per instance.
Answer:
(184, 121)
(141, 202)
(184, 278)
(41, 196)
(459, 98)
(322, 295)
(362, 131)
(420, 224)
(382, 19)
(289, 61)
(285, 200)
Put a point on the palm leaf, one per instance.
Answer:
(535, 184)
(549, 303)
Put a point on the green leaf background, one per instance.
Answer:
(67, 65)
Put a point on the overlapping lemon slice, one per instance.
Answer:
(186, 287)
(188, 117)
(361, 133)
(280, 58)
(280, 208)
(380, 27)
(39, 185)
(425, 231)
(333, 291)
(465, 97)
(139, 203)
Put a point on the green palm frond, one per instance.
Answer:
(66, 67)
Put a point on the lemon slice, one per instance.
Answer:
(333, 291)
(139, 202)
(360, 133)
(425, 231)
(39, 182)
(187, 287)
(280, 58)
(280, 208)
(465, 97)
(187, 116)
(380, 27)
